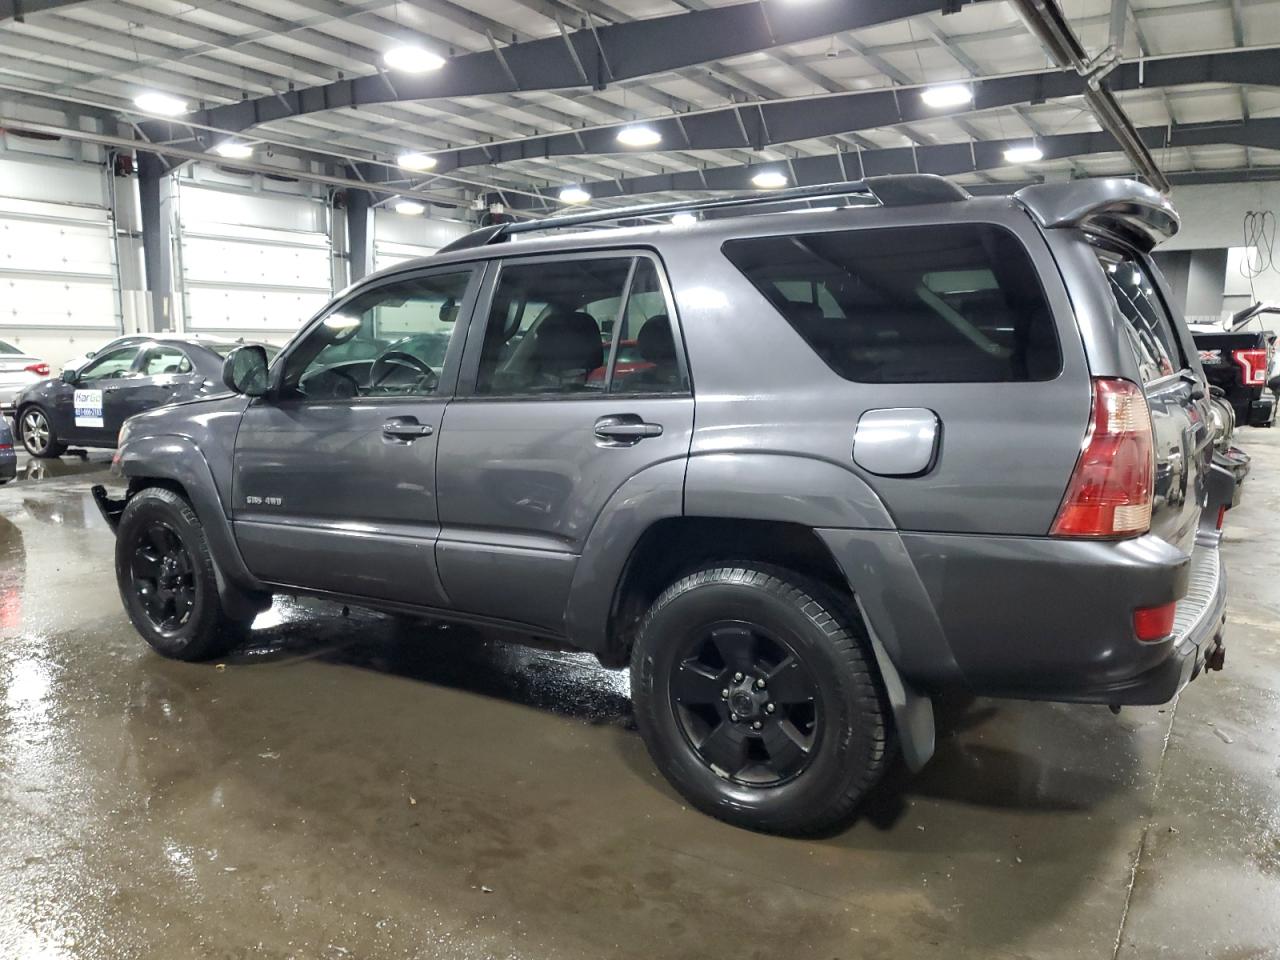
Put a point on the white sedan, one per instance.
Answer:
(18, 371)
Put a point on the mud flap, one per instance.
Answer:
(912, 711)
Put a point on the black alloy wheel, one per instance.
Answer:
(757, 694)
(746, 704)
(162, 576)
(167, 580)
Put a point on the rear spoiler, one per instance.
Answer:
(1127, 209)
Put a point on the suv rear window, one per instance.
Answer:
(1147, 324)
(950, 303)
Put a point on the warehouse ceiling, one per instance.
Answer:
(529, 96)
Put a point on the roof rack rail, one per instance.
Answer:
(899, 190)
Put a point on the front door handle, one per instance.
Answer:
(625, 429)
(406, 429)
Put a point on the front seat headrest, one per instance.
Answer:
(567, 343)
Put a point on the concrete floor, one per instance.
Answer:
(340, 791)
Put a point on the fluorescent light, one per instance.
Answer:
(1028, 154)
(947, 95)
(684, 219)
(770, 179)
(410, 208)
(416, 161)
(574, 195)
(233, 150)
(160, 103)
(412, 59)
(639, 136)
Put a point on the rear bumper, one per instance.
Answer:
(1262, 411)
(1037, 617)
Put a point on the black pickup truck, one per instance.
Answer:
(1238, 361)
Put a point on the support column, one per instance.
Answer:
(157, 242)
(360, 233)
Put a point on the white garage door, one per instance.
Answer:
(56, 266)
(252, 264)
(387, 253)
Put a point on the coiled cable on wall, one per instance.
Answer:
(1259, 244)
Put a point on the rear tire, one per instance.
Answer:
(757, 696)
(38, 435)
(166, 578)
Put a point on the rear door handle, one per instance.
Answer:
(625, 429)
(406, 429)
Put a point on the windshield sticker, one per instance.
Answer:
(88, 408)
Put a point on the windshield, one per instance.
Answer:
(8, 348)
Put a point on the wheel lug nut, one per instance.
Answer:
(769, 708)
(724, 694)
(733, 717)
(737, 677)
(757, 725)
(760, 684)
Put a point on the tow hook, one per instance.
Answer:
(1216, 657)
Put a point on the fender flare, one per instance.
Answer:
(177, 459)
(655, 493)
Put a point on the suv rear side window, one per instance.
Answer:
(1147, 323)
(951, 303)
(553, 328)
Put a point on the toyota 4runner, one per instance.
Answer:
(802, 471)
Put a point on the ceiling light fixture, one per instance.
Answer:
(639, 136)
(233, 150)
(574, 195)
(412, 59)
(684, 219)
(161, 103)
(947, 95)
(1027, 154)
(410, 208)
(416, 161)
(770, 179)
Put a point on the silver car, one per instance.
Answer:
(18, 370)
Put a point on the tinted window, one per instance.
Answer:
(946, 303)
(8, 348)
(160, 360)
(223, 349)
(389, 340)
(114, 363)
(1147, 323)
(552, 328)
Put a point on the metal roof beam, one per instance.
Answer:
(632, 49)
(949, 159)
(757, 125)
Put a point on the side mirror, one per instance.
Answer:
(71, 376)
(245, 370)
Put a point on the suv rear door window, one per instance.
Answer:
(947, 303)
(587, 325)
(1147, 323)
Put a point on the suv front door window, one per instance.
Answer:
(346, 442)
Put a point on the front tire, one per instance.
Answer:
(756, 695)
(166, 578)
(38, 435)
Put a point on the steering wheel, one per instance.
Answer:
(329, 383)
(388, 362)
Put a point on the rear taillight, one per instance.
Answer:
(1253, 366)
(40, 369)
(1154, 623)
(1111, 488)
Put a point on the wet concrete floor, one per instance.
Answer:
(344, 789)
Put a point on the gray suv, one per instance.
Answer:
(802, 471)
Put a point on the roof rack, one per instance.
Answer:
(889, 191)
